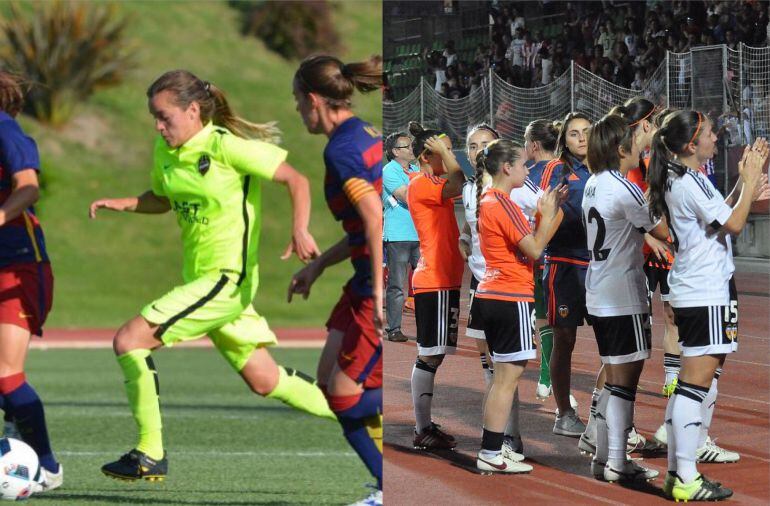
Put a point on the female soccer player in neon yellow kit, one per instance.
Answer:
(208, 169)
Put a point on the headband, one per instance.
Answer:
(697, 129)
(642, 119)
(426, 149)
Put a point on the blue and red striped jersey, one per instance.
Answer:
(21, 239)
(353, 159)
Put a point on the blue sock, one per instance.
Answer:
(353, 422)
(30, 419)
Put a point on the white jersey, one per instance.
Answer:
(616, 215)
(525, 197)
(703, 263)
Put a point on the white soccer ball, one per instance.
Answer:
(19, 466)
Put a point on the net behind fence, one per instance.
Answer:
(732, 86)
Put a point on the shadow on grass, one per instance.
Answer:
(111, 497)
(166, 406)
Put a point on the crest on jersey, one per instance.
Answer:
(731, 332)
(203, 164)
(563, 311)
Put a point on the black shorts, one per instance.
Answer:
(709, 330)
(437, 315)
(475, 327)
(623, 339)
(564, 290)
(508, 326)
(657, 276)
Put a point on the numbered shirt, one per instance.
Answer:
(441, 265)
(616, 216)
(508, 274)
(525, 197)
(353, 160)
(703, 263)
(213, 183)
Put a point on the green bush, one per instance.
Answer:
(65, 51)
(293, 29)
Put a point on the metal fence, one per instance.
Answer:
(732, 86)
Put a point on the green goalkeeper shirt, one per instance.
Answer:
(214, 185)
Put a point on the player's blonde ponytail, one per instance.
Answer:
(188, 88)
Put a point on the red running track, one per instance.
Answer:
(561, 475)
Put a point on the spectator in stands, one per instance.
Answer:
(546, 65)
(606, 38)
(449, 53)
(517, 49)
(517, 21)
(402, 248)
(630, 40)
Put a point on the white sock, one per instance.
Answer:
(591, 425)
(687, 421)
(671, 365)
(423, 376)
(707, 412)
(488, 371)
(670, 439)
(512, 427)
(620, 418)
(601, 425)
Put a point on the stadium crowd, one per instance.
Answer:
(623, 44)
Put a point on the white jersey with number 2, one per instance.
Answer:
(616, 215)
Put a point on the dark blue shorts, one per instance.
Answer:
(564, 289)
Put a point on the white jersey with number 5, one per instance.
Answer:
(703, 264)
(616, 216)
(525, 197)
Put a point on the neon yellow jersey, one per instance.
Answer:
(213, 183)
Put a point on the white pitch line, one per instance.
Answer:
(219, 454)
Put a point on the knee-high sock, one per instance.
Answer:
(671, 365)
(300, 391)
(143, 391)
(20, 399)
(512, 427)
(707, 408)
(670, 436)
(488, 371)
(620, 419)
(602, 442)
(687, 421)
(361, 419)
(423, 376)
(591, 425)
(546, 345)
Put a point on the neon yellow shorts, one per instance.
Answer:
(213, 306)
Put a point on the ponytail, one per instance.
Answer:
(335, 81)
(489, 160)
(481, 168)
(419, 136)
(188, 88)
(11, 94)
(224, 116)
(678, 130)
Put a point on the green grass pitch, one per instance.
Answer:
(226, 446)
